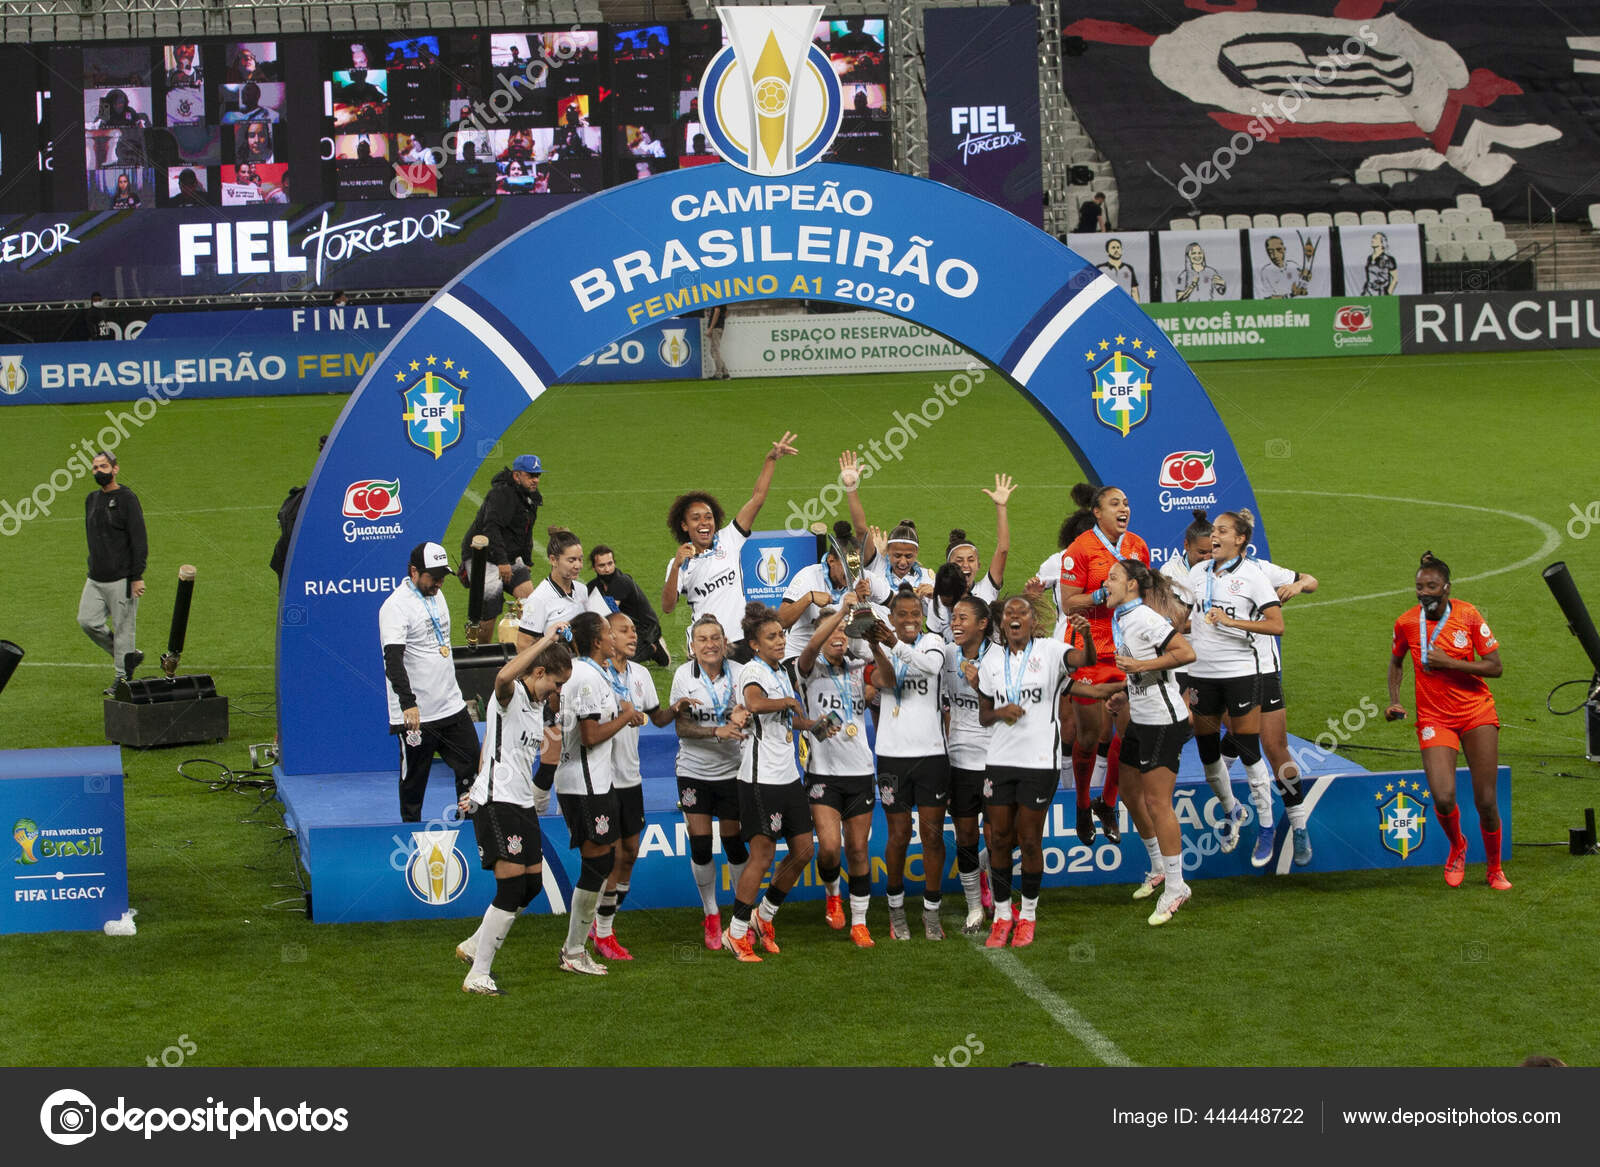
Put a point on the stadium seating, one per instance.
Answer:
(1346, 219)
(1184, 225)
(1401, 217)
(1213, 223)
(1373, 219)
(1237, 222)
(1292, 219)
(1319, 219)
(1265, 219)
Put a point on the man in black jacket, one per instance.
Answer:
(621, 594)
(506, 517)
(108, 610)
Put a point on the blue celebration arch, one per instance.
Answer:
(491, 342)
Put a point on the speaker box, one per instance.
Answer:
(161, 712)
(476, 668)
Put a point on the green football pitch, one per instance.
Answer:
(1359, 465)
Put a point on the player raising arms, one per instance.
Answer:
(839, 767)
(631, 683)
(961, 553)
(1234, 614)
(1149, 651)
(913, 768)
(1079, 575)
(1452, 653)
(772, 801)
(560, 596)
(591, 717)
(1018, 687)
(710, 729)
(504, 804)
(967, 742)
(820, 586)
(707, 566)
(890, 558)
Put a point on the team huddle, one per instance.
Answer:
(972, 700)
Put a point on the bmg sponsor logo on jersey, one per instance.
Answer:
(437, 871)
(770, 99)
(1402, 818)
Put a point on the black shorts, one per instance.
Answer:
(966, 792)
(716, 797)
(850, 796)
(593, 818)
(1015, 786)
(1271, 692)
(1154, 747)
(630, 810)
(778, 812)
(1235, 696)
(907, 782)
(508, 832)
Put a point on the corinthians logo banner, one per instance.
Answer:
(765, 226)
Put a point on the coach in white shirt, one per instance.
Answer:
(426, 709)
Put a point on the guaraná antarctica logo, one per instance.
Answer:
(1121, 384)
(1402, 817)
(435, 414)
(770, 100)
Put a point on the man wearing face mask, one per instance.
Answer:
(426, 709)
(108, 610)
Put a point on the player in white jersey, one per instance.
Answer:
(707, 568)
(1018, 687)
(504, 803)
(962, 554)
(889, 557)
(967, 742)
(1155, 723)
(1196, 550)
(561, 595)
(710, 729)
(913, 767)
(631, 682)
(1234, 615)
(772, 799)
(839, 776)
(591, 717)
(823, 585)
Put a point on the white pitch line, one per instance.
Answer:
(1064, 1014)
(1552, 540)
(61, 664)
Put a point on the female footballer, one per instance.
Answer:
(561, 595)
(707, 568)
(1018, 687)
(961, 553)
(967, 742)
(710, 729)
(1453, 654)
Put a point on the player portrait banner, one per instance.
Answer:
(982, 70)
(434, 404)
(1123, 256)
(1252, 329)
(1382, 261)
(1198, 267)
(1287, 263)
(844, 342)
(1321, 106)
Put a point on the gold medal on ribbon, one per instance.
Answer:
(444, 650)
(850, 730)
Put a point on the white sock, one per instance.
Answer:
(1030, 905)
(1299, 816)
(605, 921)
(584, 904)
(858, 909)
(929, 907)
(897, 900)
(705, 879)
(1217, 779)
(833, 886)
(1260, 791)
(491, 934)
(768, 909)
(1154, 850)
(1173, 866)
(1098, 778)
(738, 928)
(970, 889)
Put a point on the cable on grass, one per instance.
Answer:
(1593, 693)
(229, 778)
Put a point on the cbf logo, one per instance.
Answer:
(437, 871)
(770, 100)
(1402, 817)
(1121, 385)
(773, 568)
(434, 412)
(674, 348)
(13, 375)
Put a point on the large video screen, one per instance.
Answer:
(116, 126)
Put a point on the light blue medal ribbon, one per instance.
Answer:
(1211, 578)
(845, 690)
(1423, 638)
(1114, 548)
(1014, 691)
(1116, 624)
(783, 685)
(719, 704)
(617, 681)
(438, 632)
